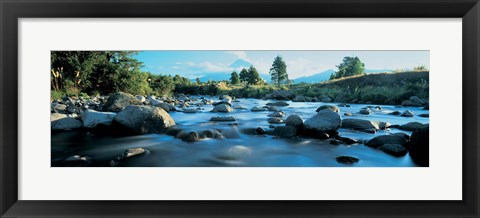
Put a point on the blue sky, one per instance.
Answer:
(194, 64)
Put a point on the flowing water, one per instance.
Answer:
(237, 149)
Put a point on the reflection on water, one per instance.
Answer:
(237, 149)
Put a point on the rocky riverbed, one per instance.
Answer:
(201, 131)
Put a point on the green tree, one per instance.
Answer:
(198, 81)
(350, 66)
(162, 84)
(234, 78)
(279, 71)
(253, 77)
(244, 75)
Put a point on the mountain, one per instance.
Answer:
(240, 63)
(219, 76)
(315, 78)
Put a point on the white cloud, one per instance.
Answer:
(239, 54)
(302, 67)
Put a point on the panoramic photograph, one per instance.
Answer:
(233, 108)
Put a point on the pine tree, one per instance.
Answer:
(234, 79)
(279, 71)
(350, 66)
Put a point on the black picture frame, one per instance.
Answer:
(11, 11)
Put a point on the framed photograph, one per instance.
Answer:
(232, 108)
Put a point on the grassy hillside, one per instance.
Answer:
(382, 88)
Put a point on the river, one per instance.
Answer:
(237, 149)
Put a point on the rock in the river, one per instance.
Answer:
(329, 107)
(335, 142)
(294, 120)
(78, 158)
(365, 111)
(166, 106)
(58, 108)
(426, 107)
(324, 121)
(211, 133)
(190, 110)
(224, 108)
(223, 119)
(285, 131)
(424, 115)
(92, 119)
(257, 108)
(347, 141)
(63, 122)
(189, 136)
(260, 131)
(144, 119)
(118, 101)
(411, 126)
(419, 146)
(394, 149)
(347, 159)
(278, 104)
(299, 98)
(347, 114)
(359, 124)
(396, 113)
(407, 113)
(386, 139)
(275, 120)
(237, 152)
(277, 114)
(133, 152)
(272, 108)
(226, 99)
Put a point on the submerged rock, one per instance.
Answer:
(223, 119)
(386, 139)
(278, 104)
(347, 141)
(394, 149)
(275, 120)
(237, 152)
(365, 111)
(347, 159)
(396, 113)
(144, 119)
(257, 108)
(277, 114)
(285, 131)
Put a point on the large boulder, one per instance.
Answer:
(92, 119)
(63, 122)
(285, 131)
(394, 149)
(324, 121)
(144, 119)
(118, 101)
(329, 107)
(224, 108)
(378, 141)
(166, 106)
(419, 146)
(361, 125)
(294, 120)
(411, 126)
